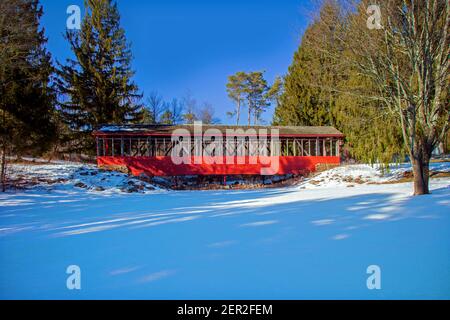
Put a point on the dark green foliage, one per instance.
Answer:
(26, 97)
(316, 93)
(308, 97)
(372, 132)
(305, 101)
(257, 99)
(97, 86)
(252, 90)
(236, 88)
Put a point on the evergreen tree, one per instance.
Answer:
(97, 85)
(372, 132)
(167, 117)
(257, 99)
(252, 90)
(236, 88)
(316, 94)
(275, 91)
(407, 62)
(26, 96)
(308, 97)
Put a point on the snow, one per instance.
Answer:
(364, 174)
(70, 176)
(117, 128)
(303, 242)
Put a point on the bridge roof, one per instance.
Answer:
(168, 130)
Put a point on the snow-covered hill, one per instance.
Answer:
(351, 175)
(73, 176)
(69, 176)
(315, 240)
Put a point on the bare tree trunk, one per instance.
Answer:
(421, 177)
(421, 169)
(238, 112)
(3, 168)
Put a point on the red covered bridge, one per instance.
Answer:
(177, 150)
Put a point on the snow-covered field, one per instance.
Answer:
(68, 176)
(314, 240)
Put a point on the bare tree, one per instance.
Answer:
(176, 109)
(403, 47)
(206, 114)
(156, 106)
(190, 107)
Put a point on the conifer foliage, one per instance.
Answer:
(97, 86)
(26, 97)
(319, 91)
(251, 90)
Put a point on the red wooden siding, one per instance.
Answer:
(164, 166)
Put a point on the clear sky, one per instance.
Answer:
(181, 46)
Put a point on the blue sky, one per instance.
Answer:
(181, 46)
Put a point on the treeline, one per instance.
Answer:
(384, 83)
(318, 92)
(53, 107)
(380, 74)
(27, 96)
(185, 110)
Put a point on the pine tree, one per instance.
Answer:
(98, 84)
(257, 99)
(167, 117)
(26, 96)
(236, 88)
(275, 91)
(251, 89)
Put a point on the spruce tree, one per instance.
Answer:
(97, 85)
(26, 97)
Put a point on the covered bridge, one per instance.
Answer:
(177, 150)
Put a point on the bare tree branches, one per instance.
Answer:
(408, 61)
